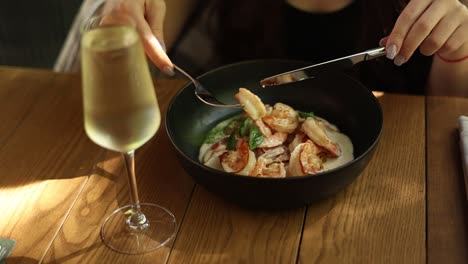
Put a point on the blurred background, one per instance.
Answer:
(33, 32)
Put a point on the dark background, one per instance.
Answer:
(33, 31)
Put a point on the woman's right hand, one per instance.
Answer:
(149, 18)
(435, 26)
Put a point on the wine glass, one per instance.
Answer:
(121, 113)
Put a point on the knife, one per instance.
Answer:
(328, 66)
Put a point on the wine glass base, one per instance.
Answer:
(159, 229)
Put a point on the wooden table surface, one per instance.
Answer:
(56, 188)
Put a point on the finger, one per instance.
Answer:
(453, 47)
(117, 19)
(156, 11)
(421, 28)
(109, 5)
(440, 34)
(153, 48)
(151, 44)
(383, 42)
(405, 21)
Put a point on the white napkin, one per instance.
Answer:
(463, 127)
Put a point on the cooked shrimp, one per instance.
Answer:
(283, 118)
(276, 154)
(211, 156)
(240, 161)
(270, 153)
(326, 125)
(266, 168)
(305, 160)
(215, 150)
(315, 132)
(274, 140)
(298, 139)
(264, 129)
(252, 104)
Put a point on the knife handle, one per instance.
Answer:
(375, 53)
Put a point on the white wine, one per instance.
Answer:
(121, 112)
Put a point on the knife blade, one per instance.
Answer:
(317, 69)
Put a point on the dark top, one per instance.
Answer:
(318, 37)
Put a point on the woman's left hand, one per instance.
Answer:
(435, 26)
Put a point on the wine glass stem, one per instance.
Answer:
(137, 220)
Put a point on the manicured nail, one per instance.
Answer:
(392, 51)
(168, 71)
(399, 60)
(382, 42)
(163, 46)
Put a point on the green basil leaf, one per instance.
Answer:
(232, 141)
(305, 114)
(244, 128)
(255, 137)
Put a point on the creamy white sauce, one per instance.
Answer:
(346, 147)
(203, 149)
(214, 163)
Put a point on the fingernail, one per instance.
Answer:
(382, 42)
(399, 60)
(391, 51)
(168, 71)
(163, 46)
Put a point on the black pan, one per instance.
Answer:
(335, 97)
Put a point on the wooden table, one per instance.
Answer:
(56, 188)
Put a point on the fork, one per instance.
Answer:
(203, 94)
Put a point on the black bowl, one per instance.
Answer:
(335, 97)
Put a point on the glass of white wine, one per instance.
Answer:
(121, 113)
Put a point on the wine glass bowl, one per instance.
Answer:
(125, 114)
(121, 113)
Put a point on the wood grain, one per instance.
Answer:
(380, 217)
(44, 157)
(215, 231)
(447, 240)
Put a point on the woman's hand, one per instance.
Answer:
(435, 26)
(149, 18)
